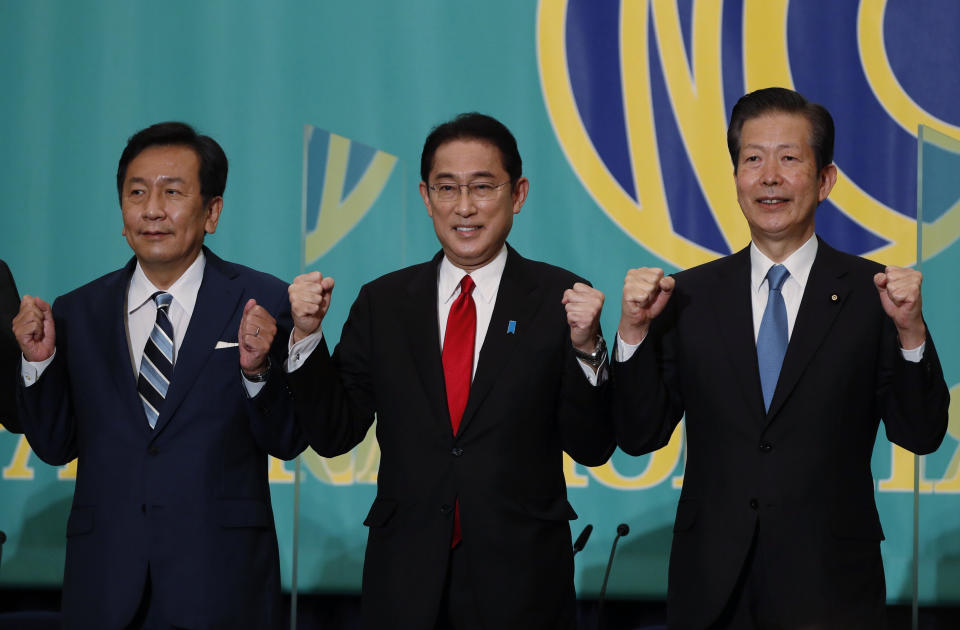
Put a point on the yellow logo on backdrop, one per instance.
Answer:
(340, 188)
(650, 106)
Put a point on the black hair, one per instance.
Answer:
(777, 99)
(213, 161)
(473, 126)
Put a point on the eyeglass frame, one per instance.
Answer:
(460, 187)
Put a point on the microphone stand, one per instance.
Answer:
(622, 530)
(581, 541)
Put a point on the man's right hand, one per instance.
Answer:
(646, 292)
(33, 328)
(309, 302)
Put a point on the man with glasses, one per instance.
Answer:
(481, 369)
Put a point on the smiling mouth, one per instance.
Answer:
(466, 229)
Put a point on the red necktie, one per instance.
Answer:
(458, 342)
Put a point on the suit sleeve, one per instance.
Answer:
(272, 417)
(9, 351)
(646, 401)
(334, 395)
(912, 397)
(583, 412)
(46, 407)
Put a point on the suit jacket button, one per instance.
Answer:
(445, 509)
(754, 504)
(457, 451)
(766, 447)
(153, 450)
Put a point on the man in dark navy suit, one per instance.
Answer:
(161, 379)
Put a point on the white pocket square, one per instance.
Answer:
(226, 344)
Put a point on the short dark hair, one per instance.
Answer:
(777, 99)
(213, 161)
(473, 126)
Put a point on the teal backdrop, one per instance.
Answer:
(619, 109)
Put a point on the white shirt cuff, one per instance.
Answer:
(253, 387)
(595, 378)
(299, 352)
(914, 355)
(32, 370)
(624, 350)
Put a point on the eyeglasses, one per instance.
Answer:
(479, 191)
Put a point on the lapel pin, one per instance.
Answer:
(511, 327)
(834, 297)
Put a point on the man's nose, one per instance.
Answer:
(155, 207)
(770, 175)
(465, 205)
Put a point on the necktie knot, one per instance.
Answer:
(776, 276)
(466, 285)
(162, 300)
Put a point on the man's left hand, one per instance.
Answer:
(583, 304)
(256, 333)
(899, 290)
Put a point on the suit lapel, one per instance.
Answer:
(824, 296)
(112, 309)
(517, 301)
(217, 301)
(734, 311)
(419, 315)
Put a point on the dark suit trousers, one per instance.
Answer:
(759, 602)
(458, 607)
(148, 615)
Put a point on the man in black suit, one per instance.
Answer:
(470, 525)
(784, 356)
(157, 377)
(9, 351)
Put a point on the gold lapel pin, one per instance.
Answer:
(834, 297)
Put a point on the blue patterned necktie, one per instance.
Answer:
(772, 339)
(156, 365)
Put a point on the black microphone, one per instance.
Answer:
(622, 530)
(581, 541)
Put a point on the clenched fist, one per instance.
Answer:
(646, 292)
(34, 330)
(255, 336)
(309, 302)
(899, 290)
(583, 304)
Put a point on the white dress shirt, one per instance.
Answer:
(487, 283)
(799, 264)
(141, 313)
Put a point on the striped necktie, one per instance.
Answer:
(156, 365)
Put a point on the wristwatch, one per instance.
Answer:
(595, 358)
(260, 376)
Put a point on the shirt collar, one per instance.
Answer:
(486, 278)
(798, 264)
(184, 290)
